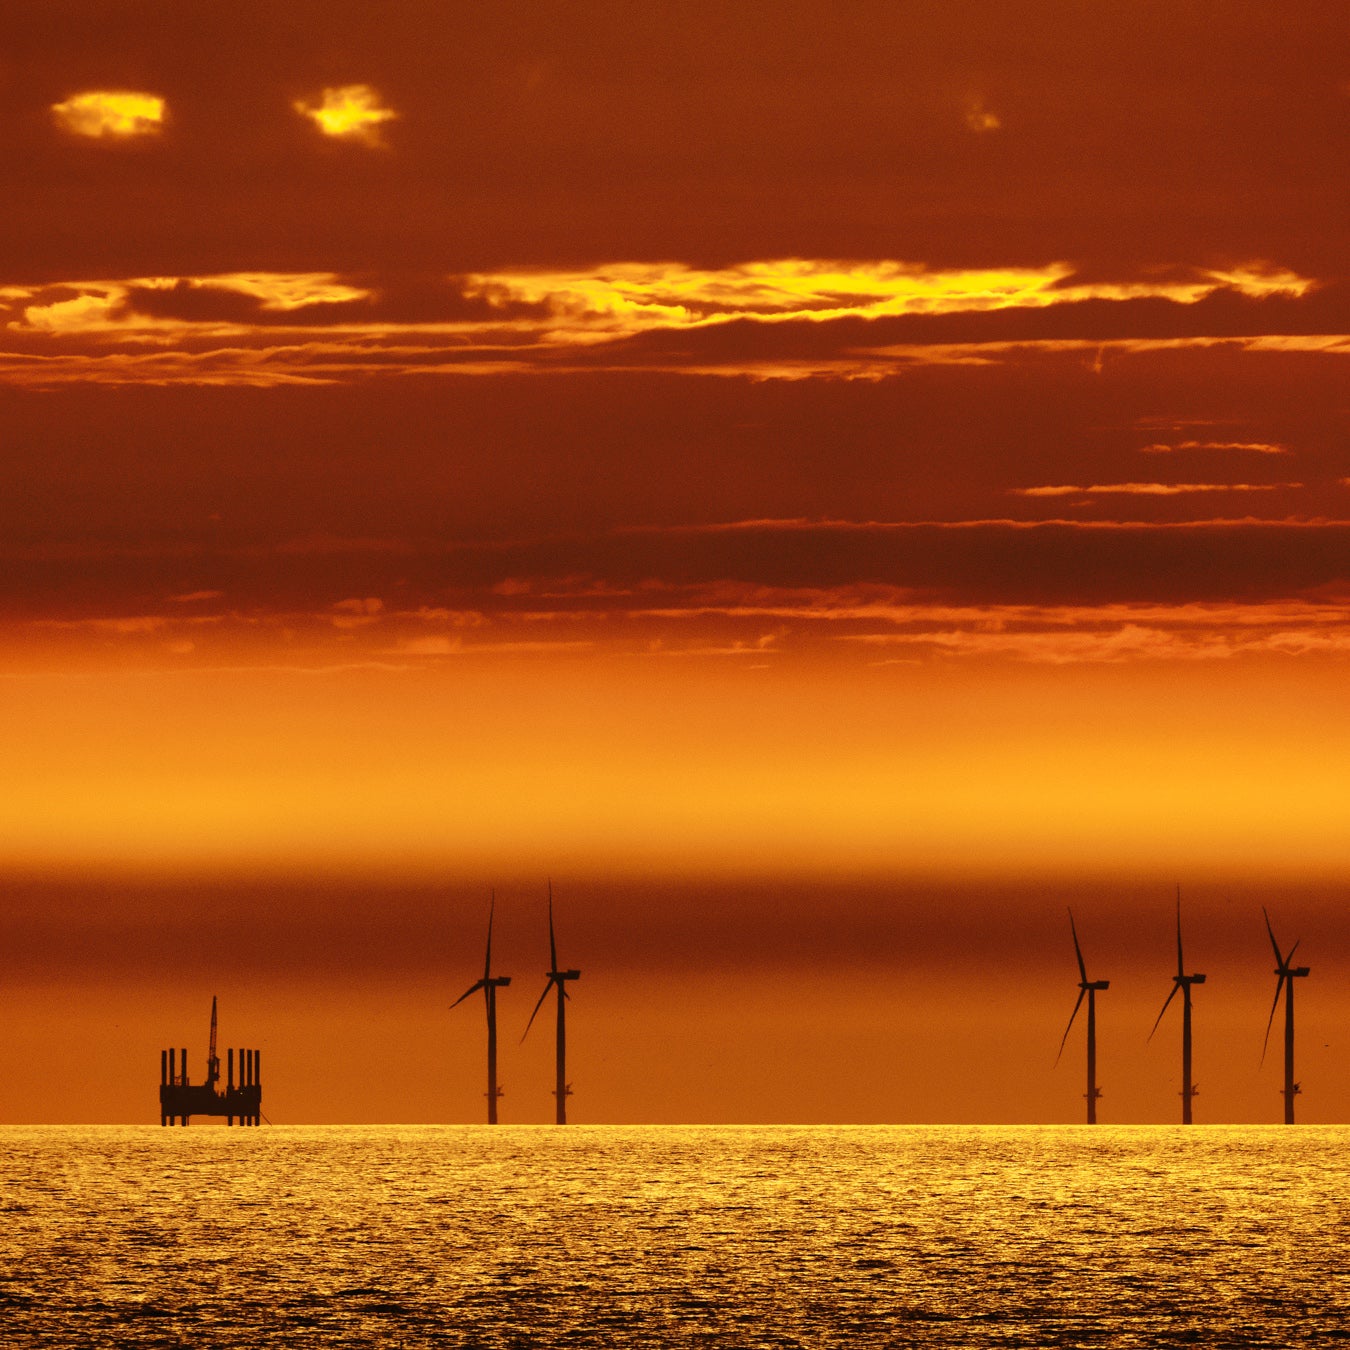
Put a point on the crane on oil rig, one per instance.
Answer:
(212, 1059)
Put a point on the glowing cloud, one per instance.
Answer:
(224, 327)
(119, 113)
(352, 112)
(1255, 447)
(1145, 489)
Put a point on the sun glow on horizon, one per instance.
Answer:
(812, 772)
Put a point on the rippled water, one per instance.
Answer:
(660, 1236)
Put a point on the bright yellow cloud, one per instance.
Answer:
(101, 112)
(631, 297)
(276, 290)
(101, 306)
(352, 111)
(82, 314)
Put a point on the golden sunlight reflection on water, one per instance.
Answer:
(670, 1236)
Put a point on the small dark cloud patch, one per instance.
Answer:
(191, 302)
(611, 573)
(396, 300)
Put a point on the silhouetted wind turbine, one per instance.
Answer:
(489, 984)
(1086, 989)
(1183, 982)
(1287, 975)
(557, 977)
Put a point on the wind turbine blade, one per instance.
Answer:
(535, 1013)
(1181, 967)
(472, 989)
(1170, 997)
(1270, 1021)
(1289, 960)
(552, 946)
(492, 910)
(1082, 994)
(1279, 960)
(1078, 952)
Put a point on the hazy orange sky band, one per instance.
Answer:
(706, 765)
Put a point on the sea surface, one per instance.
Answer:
(674, 1236)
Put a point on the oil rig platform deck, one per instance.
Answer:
(180, 1099)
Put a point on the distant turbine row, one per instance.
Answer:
(490, 983)
(1286, 972)
(351, 111)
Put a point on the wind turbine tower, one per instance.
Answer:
(1287, 975)
(557, 979)
(1086, 989)
(1183, 982)
(489, 984)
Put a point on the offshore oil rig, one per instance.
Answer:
(180, 1099)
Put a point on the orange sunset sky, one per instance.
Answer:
(830, 485)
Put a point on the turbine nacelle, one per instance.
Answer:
(487, 986)
(1187, 979)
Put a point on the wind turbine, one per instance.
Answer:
(1287, 975)
(489, 984)
(1183, 982)
(1086, 989)
(557, 978)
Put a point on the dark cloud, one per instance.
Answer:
(637, 925)
(760, 565)
(397, 300)
(502, 457)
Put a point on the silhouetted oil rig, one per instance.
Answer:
(180, 1100)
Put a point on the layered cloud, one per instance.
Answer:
(788, 318)
(759, 590)
(1251, 447)
(1145, 489)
